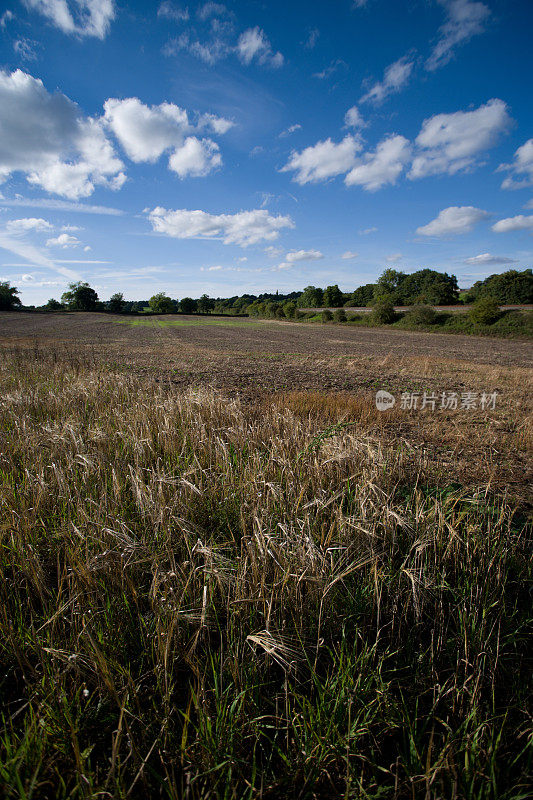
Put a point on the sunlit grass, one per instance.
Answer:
(207, 599)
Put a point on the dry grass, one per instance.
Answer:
(289, 598)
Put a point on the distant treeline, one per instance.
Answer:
(426, 286)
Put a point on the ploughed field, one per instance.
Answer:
(226, 574)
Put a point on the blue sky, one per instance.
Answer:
(253, 146)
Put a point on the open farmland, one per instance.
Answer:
(226, 574)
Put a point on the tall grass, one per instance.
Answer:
(205, 599)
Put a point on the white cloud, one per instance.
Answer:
(210, 52)
(394, 78)
(394, 257)
(448, 143)
(381, 167)
(327, 72)
(6, 17)
(289, 130)
(146, 132)
(518, 223)
(211, 10)
(312, 39)
(254, 45)
(488, 258)
(170, 11)
(61, 205)
(196, 158)
(64, 240)
(353, 118)
(464, 19)
(367, 231)
(19, 226)
(25, 49)
(273, 252)
(323, 160)
(78, 17)
(218, 125)
(243, 228)
(34, 255)
(349, 254)
(40, 131)
(522, 165)
(27, 278)
(452, 221)
(294, 256)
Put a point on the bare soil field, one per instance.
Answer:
(331, 372)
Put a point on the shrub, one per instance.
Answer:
(326, 316)
(421, 315)
(340, 315)
(383, 312)
(485, 311)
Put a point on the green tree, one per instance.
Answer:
(363, 296)
(388, 286)
(326, 315)
(160, 303)
(311, 297)
(429, 286)
(205, 304)
(187, 305)
(80, 297)
(8, 296)
(511, 287)
(333, 296)
(116, 303)
(54, 305)
(289, 307)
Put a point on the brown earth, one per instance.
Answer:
(331, 372)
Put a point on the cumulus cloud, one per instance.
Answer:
(323, 160)
(349, 254)
(353, 118)
(488, 258)
(64, 240)
(78, 17)
(381, 167)
(300, 255)
(394, 78)
(46, 137)
(452, 221)
(522, 165)
(449, 143)
(244, 228)
(254, 45)
(27, 224)
(146, 132)
(196, 158)
(518, 223)
(464, 19)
